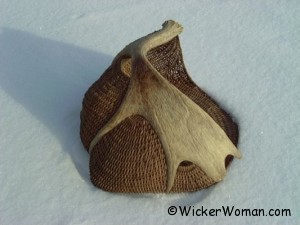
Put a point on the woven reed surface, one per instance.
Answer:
(130, 157)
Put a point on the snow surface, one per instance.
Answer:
(245, 54)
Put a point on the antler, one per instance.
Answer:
(185, 130)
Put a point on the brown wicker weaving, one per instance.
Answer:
(127, 146)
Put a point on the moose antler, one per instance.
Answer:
(185, 130)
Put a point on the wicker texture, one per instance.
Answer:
(130, 157)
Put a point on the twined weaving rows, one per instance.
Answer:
(130, 157)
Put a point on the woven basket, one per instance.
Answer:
(130, 157)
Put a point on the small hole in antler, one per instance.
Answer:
(185, 163)
(126, 66)
(228, 160)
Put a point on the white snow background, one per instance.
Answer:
(245, 54)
